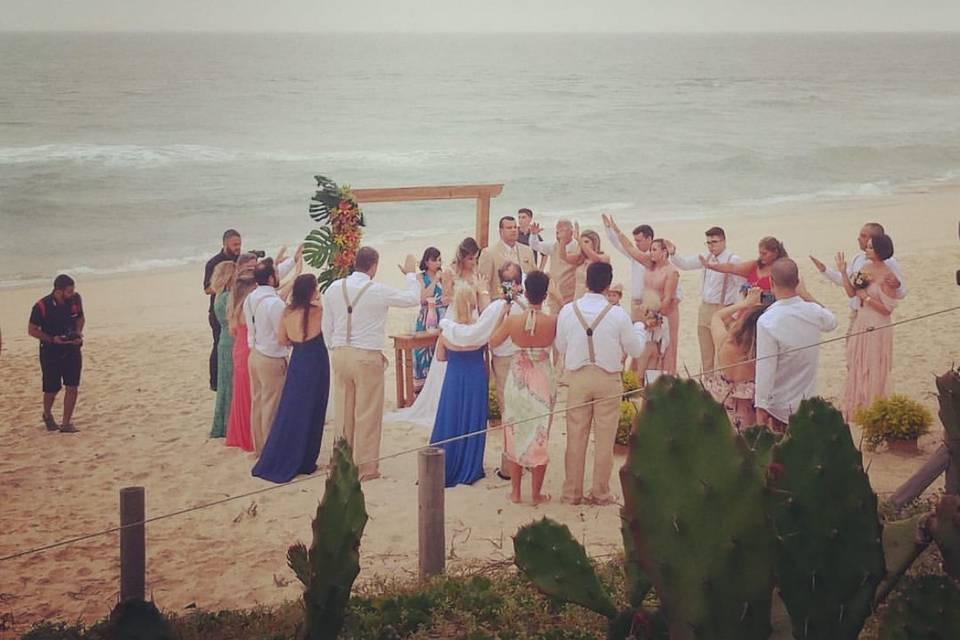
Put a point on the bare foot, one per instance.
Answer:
(515, 499)
(542, 499)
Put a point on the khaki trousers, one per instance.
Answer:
(587, 384)
(708, 350)
(358, 402)
(267, 376)
(501, 369)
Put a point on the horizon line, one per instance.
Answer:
(492, 32)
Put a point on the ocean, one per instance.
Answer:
(134, 151)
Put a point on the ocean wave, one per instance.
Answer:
(133, 266)
(841, 191)
(141, 156)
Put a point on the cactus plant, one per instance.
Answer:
(944, 526)
(903, 542)
(557, 564)
(694, 505)
(830, 554)
(332, 563)
(928, 607)
(948, 395)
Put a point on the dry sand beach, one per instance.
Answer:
(144, 415)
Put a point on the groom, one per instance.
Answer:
(354, 316)
(593, 336)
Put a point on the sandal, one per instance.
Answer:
(50, 423)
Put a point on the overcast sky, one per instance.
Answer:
(481, 15)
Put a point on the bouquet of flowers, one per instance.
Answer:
(510, 291)
(861, 280)
(333, 247)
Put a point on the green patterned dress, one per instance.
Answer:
(224, 368)
(529, 395)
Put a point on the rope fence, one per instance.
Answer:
(320, 474)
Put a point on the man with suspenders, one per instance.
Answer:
(717, 290)
(593, 336)
(354, 316)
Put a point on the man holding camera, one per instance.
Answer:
(57, 322)
(230, 251)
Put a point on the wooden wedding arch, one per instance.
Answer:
(482, 193)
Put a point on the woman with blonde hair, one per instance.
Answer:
(590, 252)
(463, 399)
(238, 425)
(221, 282)
(663, 278)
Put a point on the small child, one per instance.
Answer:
(615, 294)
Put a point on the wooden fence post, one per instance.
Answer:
(922, 478)
(133, 556)
(432, 543)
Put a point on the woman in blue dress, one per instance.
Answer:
(433, 306)
(463, 400)
(294, 441)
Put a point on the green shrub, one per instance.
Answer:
(631, 382)
(894, 418)
(493, 407)
(628, 414)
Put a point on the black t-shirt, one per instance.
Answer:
(208, 272)
(57, 319)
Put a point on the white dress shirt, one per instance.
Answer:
(367, 326)
(784, 379)
(854, 266)
(478, 333)
(546, 247)
(284, 268)
(638, 272)
(263, 313)
(712, 290)
(612, 338)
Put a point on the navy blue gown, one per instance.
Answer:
(294, 441)
(462, 409)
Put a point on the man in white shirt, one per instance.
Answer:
(593, 336)
(263, 313)
(563, 273)
(784, 379)
(508, 249)
(354, 317)
(717, 290)
(894, 280)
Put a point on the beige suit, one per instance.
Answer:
(493, 257)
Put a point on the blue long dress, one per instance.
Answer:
(462, 409)
(294, 441)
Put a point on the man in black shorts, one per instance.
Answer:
(57, 322)
(230, 251)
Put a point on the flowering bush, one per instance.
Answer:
(628, 414)
(333, 248)
(894, 418)
(631, 382)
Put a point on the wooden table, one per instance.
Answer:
(403, 346)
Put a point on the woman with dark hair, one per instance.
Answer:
(870, 354)
(294, 441)
(757, 272)
(734, 330)
(432, 308)
(530, 389)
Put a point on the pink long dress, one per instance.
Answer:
(238, 426)
(869, 356)
(656, 281)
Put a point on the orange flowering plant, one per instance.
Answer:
(333, 247)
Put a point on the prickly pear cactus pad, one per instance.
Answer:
(695, 510)
(927, 608)
(944, 526)
(547, 553)
(829, 550)
(332, 563)
(903, 542)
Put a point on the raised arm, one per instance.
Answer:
(574, 259)
(625, 245)
(842, 273)
(409, 297)
(537, 244)
(741, 269)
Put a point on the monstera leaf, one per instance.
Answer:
(318, 246)
(325, 199)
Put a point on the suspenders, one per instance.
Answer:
(723, 287)
(589, 329)
(351, 305)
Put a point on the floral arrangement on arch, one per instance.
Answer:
(333, 247)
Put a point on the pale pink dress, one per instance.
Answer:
(869, 356)
(656, 281)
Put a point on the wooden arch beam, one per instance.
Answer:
(482, 193)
